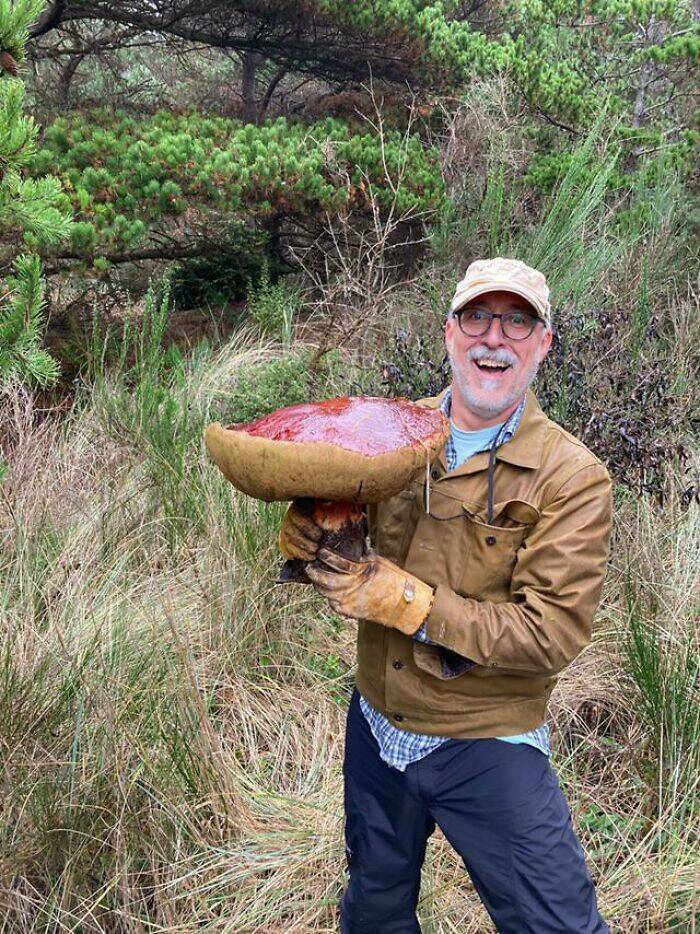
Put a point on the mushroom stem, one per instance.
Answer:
(343, 530)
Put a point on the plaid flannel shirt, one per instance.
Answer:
(399, 748)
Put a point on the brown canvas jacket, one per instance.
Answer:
(516, 595)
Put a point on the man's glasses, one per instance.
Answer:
(516, 325)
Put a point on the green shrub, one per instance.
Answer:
(214, 280)
(273, 306)
(224, 171)
(270, 386)
(288, 380)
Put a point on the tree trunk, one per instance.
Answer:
(251, 62)
(67, 73)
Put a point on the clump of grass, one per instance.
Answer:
(661, 645)
(140, 735)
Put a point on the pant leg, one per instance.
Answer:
(386, 831)
(501, 807)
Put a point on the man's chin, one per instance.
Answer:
(493, 400)
(489, 403)
(487, 410)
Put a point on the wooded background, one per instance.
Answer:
(210, 210)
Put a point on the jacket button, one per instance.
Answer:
(490, 539)
(435, 474)
(398, 716)
(398, 664)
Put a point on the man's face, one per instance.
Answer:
(488, 392)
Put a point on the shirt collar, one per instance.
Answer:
(507, 430)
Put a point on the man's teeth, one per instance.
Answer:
(492, 364)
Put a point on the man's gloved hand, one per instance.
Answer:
(299, 535)
(372, 588)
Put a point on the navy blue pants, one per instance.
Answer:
(499, 805)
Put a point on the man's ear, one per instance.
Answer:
(450, 325)
(545, 345)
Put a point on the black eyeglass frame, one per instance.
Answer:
(534, 318)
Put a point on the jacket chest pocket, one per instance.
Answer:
(490, 556)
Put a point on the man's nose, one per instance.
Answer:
(494, 336)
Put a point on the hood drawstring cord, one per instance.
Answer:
(490, 492)
(492, 467)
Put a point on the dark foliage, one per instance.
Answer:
(623, 407)
(628, 414)
(413, 371)
(221, 278)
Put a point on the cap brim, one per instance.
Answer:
(459, 301)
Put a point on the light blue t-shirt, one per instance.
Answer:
(467, 443)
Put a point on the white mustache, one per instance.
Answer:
(496, 356)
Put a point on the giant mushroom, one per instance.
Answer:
(330, 457)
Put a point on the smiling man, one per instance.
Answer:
(480, 587)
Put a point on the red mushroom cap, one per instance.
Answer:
(351, 449)
(365, 425)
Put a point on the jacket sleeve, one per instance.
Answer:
(556, 587)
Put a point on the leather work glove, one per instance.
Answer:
(372, 588)
(299, 535)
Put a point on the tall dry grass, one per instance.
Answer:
(171, 720)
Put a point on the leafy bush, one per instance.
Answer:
(270, 386)
(273, 306)
(411, 368)
(224, 275)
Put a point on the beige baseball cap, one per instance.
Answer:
(509, 275)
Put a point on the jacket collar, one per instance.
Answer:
(525, 447)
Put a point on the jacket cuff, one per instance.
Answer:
(440, 627)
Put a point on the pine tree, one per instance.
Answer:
(29, 211)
